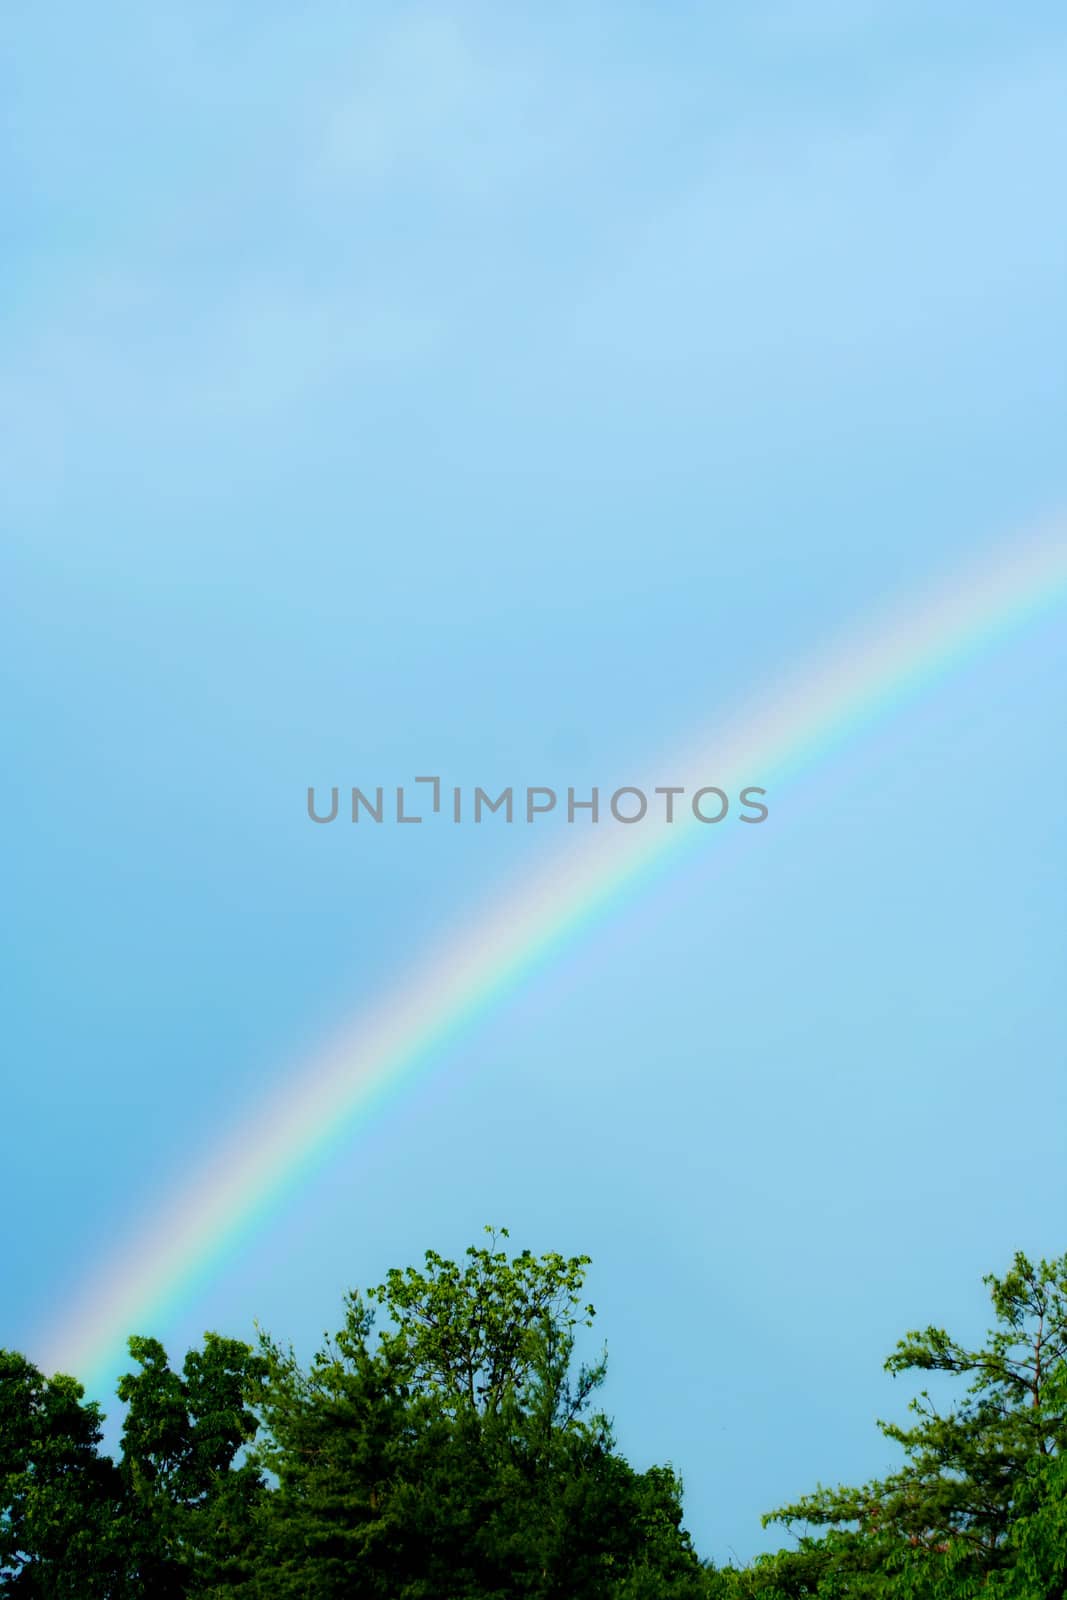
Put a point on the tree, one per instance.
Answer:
(454, 1454)
(473, 1334)
(982, 1483)
(188, 1502)
(173, 1517)
(58, 1495)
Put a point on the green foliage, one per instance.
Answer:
(58, 1494)
(453, 1454)
(457, 1453)
(473, 1334)
(189, 1508)
(173, 1517)
(977, 1506)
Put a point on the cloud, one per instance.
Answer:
(434, 98)
(916, 214)
(420, 99)
(404, 196)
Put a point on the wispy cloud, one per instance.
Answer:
(918, 213)
(321, 205)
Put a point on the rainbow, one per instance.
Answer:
(315, 1114)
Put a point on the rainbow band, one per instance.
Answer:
(457, 983)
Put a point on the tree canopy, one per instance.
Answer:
(445, 1444)
(977, 1506)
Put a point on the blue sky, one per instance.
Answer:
(506, 392)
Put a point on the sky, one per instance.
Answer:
(509, 393)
